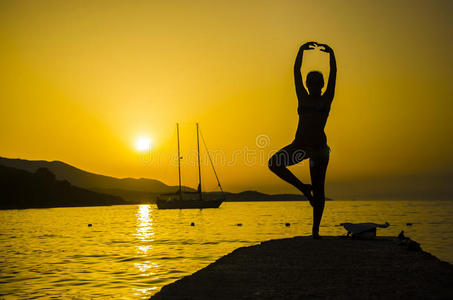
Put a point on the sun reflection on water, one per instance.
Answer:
(145, 268)
(145, 231)
(145, 237)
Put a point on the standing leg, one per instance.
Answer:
(318, 167)
(288, 156)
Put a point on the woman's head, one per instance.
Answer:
(315, 82)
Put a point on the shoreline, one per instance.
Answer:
(331, 268)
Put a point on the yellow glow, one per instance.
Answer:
(79, 79)
(143, 144)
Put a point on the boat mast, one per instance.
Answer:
(212, 164)
(179, 162)
(199, 166)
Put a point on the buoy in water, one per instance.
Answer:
(192, 224)
(89, 225)
(287, 224)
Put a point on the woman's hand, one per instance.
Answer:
(308, 45)
(325, 48)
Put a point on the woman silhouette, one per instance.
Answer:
(310, 141)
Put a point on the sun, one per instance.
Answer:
(143, 144)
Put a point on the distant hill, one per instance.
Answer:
(22, 189)
(257, 196)
(246, 196)
(132, 190)
(135, 190)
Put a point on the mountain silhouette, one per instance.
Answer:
(132, 190)
(141, 190)
(22, 189)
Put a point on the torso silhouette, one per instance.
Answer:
(313, 113)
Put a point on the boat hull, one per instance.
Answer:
(186, 204)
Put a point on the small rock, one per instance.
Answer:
(287, 224)
(192, 224)
(408, 224)
(239, 224)
(90, 225)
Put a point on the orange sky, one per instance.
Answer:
(80, 81)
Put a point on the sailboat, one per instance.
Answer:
(196, 199)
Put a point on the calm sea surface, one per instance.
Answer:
(131, 251)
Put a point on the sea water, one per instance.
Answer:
(131, 251)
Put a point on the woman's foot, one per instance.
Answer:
(316, 236)
(306, 190)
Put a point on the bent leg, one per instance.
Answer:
(318, 168)
(288, 156)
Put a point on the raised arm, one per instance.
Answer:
(300, 89)
(330, 90)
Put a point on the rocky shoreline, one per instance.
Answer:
(331, 268)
